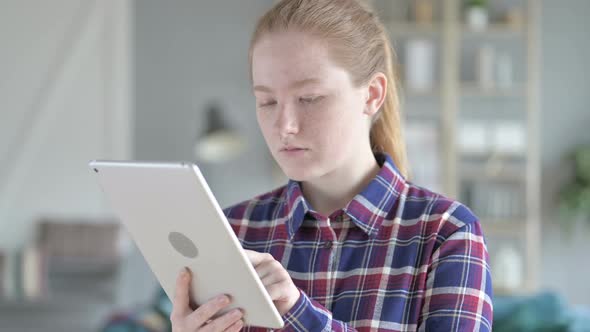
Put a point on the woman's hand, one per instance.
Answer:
(184, 319)
(275, 279)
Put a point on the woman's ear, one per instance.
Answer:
(375, 93)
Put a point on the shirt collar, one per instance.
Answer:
(367, 209)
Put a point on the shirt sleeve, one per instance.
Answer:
(309, 315)
(459, 287)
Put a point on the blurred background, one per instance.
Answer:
(496, 108)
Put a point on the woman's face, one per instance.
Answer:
(310, 114)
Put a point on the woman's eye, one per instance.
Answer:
(268, 103)
(309, 100)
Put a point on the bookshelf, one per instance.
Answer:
(69, 263)
(485, 147)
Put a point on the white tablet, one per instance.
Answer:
(175, 221)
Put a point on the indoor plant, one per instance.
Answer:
(476, 14)
(575, 195)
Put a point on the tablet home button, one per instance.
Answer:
(183, 244)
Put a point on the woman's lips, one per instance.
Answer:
(293, 151)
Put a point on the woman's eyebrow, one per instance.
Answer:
(294, 85)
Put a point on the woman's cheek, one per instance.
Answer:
(265, 124)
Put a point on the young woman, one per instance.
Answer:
(349, 243)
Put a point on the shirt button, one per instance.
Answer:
(328, 245)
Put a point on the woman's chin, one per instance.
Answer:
(297, 173)
(298, 168)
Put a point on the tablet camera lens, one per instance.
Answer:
(183, 244)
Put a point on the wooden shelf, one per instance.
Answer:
(427, 93)
(505, 227)
(494, 30)
(399, 29)
(51, 302)
(411, 115)
(497, 156)
(435, 29)
(501, 169)
(473, 89)
(454, 40)
(498, 291)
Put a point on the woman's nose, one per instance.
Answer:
(287, 122)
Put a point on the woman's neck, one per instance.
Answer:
(334, 190)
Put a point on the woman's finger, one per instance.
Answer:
(225, 321)
(207, 310)
(180, 303)
(271, 278)
(267, 268)
(235, 327)
(276, 291)
(256, 258)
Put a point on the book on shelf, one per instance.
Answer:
(62, 253)
(494, 201)
(79, 248)
(23, 273)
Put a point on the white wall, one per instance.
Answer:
(188, 53)
(64, 100)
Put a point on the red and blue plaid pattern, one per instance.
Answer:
(397, 258)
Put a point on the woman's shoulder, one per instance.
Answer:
(259, 207)
(441, 213)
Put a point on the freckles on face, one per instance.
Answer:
(303, 95)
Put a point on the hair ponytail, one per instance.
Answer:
(386, 131)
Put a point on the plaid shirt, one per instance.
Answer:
(397, 258)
